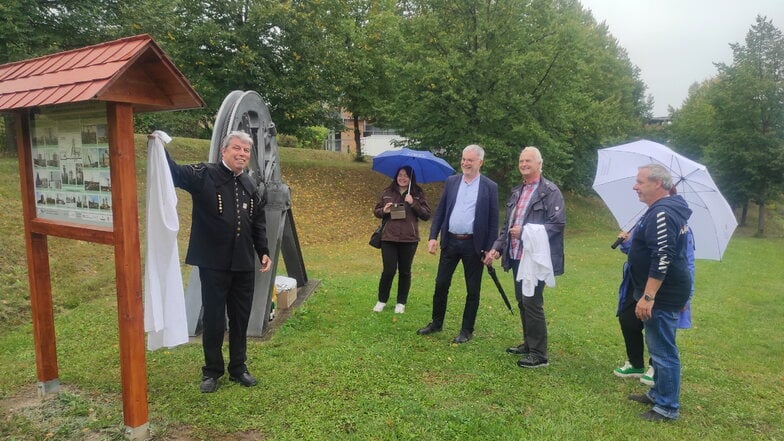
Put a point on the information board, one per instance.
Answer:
(70, 151)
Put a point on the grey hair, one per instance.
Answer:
(239, 134)
(535, 151)
(476, 148)
(659, 173)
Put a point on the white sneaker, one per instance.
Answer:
(647, 379)
(400, 308)
(379, 307)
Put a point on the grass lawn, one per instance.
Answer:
(336, 370)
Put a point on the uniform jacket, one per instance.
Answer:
(659, 250)
(485, 217)
(402, 230)
(546, 207)
(228, 228)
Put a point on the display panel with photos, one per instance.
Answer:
(70, 151)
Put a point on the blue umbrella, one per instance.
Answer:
(426, 166)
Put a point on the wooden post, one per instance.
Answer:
(127, 255)
(37, 267)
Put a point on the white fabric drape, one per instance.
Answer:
(536, 263)
(164, 297)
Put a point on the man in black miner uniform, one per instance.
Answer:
(228, 231)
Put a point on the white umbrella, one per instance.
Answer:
(712, 220)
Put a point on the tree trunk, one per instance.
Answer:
(9, 134)
(761, 221)
(357, 138)
(743, 214)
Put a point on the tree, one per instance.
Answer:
(749, 106)
(512, 73)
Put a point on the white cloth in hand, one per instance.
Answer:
(164, 297)
(536, 263)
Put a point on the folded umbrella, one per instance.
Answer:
(494, 276)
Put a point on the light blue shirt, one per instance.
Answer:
(461, 221)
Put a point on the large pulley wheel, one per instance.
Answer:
(247, 112)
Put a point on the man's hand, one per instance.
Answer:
(266, 263)
(644, 309)
(432, 246)
(490, 256)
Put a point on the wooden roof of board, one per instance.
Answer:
(129, 70)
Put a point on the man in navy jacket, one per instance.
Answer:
(467, 221)
(661, 283)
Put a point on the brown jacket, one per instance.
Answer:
(402, 230)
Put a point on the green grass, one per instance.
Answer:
(335, 370)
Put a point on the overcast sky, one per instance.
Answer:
(676, 42)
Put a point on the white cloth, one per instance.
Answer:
(536, 263)
(164, 297)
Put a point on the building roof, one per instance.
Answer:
(129, 70)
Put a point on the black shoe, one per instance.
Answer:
(518, 350)
(208, 385)
(532, 361)
(463, 337)
(429, 329)
(654, 416)
(641, 398)
(245, 379)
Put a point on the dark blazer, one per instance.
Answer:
(485, 217)
(228, 229)
(546, 207)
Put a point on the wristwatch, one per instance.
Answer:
(647, 297)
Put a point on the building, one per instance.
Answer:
(374, 140)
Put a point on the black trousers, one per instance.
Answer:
(225, 293)
(531, 315)
(632, 330)
(396, 257)
(456, 251)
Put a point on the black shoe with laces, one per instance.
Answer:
(245, 379)
(654, 416)
(463, 337)
(517, 350)
(429, 329)
(208, 385)
(532, 361)
(641, 398)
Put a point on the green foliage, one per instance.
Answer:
(513, 73)
(749, 105)
(188, 123)
(447, 73)
(312, 137)
(735, 122)
(287, 140)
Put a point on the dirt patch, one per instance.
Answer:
(75, 415)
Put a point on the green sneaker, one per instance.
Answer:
(628, 371)
(647, 379)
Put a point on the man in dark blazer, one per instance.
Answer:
(228, 232)
(467, 220)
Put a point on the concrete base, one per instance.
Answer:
(138, 433)
(48, 387)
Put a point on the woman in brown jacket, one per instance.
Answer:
(402, 203)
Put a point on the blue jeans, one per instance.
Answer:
(660, 335)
